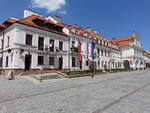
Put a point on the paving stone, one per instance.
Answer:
(107, 94)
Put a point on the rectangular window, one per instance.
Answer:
(105, 53)
(8, 40)
(51, 60)
(100, 42)
(102, 52)
(102, 63)
(28, 39)
(41, 44)
(108, 53)
(61, 46)
(7, 61)
(51, 45)
(73, 61)
(106, 63)
(98, 51)
(1, 44)
(40, 60)
(118, 64)
(73, 43)
(97, 41)
(87, 63)
(0, 62)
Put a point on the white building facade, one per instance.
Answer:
(108, 55)
(26, 47)
(38, 43)
(132, 52)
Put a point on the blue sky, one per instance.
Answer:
(111, 18)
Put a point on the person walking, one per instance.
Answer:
(92, 67)
(10, 75)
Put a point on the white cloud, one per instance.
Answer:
(49, 5)
(63, 12)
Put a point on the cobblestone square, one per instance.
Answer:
(126, 92)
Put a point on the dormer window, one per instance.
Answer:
(73, 30)
(39, 22)
(53, 27)
(76, 32)
(48, 25)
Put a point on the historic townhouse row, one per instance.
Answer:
(132, 51)
(38, 43)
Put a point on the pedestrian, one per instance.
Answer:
(10, 75)
(92, 67)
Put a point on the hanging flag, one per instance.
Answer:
(79, 51)
(92, 50)
(87, 51)
(141, 63)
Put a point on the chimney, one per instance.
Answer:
(28, 13)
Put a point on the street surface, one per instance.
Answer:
(127, 92)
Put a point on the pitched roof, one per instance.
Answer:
(29, 22)
(64, 25)
(1, 26)
(80, 31)
(125, 41)
(9, 22)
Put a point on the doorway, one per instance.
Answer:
(60, 63)
(27, 62)
(80, 64)
(126, 64)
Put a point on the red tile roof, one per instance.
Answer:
(1, 25)
(64, 25)
(29, 22)
(81, 31)
(125, 41)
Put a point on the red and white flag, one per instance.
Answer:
(87, 52)
(79, 51)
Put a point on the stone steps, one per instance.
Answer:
(47, 76)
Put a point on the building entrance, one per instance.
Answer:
(27, 62)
